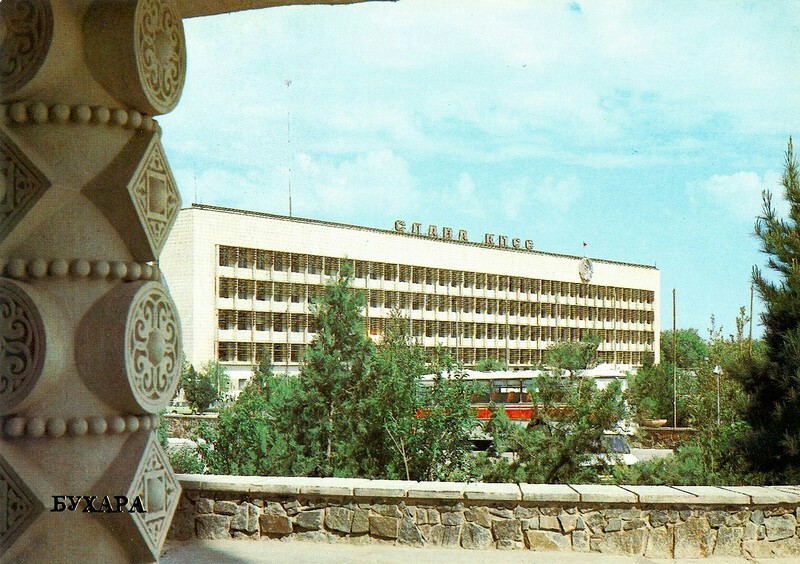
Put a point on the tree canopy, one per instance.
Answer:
(772, 382)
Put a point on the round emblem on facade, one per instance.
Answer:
(585, 269)
(22, 346)
(160, 53)
(152, 347)
(26, 31)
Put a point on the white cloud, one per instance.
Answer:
(558, 193)
(740, 193)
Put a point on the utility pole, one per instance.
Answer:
(674, 365)
(750, 337)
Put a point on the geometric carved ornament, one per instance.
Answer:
(21, 184)
(155, 196)
(26, 29)
(18, 506)
(157, 487)
(160, 51)
(22, 346)
(152, 347)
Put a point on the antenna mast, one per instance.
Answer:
(288, 83)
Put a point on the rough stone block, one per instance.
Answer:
(757, 517)
(479, 515)
(595, 520)
(692, 538)
(421, 516)
(451, 537)
(475, 536)
(717, 518)
(580, 541)
(434, 534)
(310, 519)
(786, 548)
(246, 518)
(505, 545)
(613, 526)
(501, 512)
(384, 527)
(433, 516)
(660, 542)
(225, 507)
(756, 549)
(532, 523)
(409, 533)
(274, 524)
(339, 519)
(630, 543)
(387, 510)
(782, 527)
(212, 527)
(526, 512)
(633, 524)
(547, 540)
(452, 518)
(204, 505)
(360, 523)
(274, 508)
(569, 522)
(507, 529)
(549, 523)
(729, 541)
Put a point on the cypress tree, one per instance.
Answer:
(772, 383)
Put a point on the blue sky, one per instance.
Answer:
(646, 129)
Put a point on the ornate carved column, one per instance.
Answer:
(90, 345)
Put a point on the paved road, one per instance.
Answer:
(296, 552)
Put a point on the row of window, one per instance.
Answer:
(300, 323)
(313, 264)
(281, 354)
(230, 288)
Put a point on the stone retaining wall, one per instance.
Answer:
(654, 521)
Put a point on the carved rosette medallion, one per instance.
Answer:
(155, 196)
(21, 184)
(152, 347)
(26, 31)
(22, 346)
(160, 50)
(18, 506)
(156, 485)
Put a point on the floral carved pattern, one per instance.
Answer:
(18, 506)
(156, 485)
(153, 349)
(155, 196)
(22, 345)
(26, 30)
(160, 53)
(21, 184)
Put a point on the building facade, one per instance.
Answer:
(244, 283)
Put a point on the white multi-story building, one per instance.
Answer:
(244, 284)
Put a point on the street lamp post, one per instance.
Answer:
(717, 372)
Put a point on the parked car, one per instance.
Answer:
(180, 407)
(616, 450)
